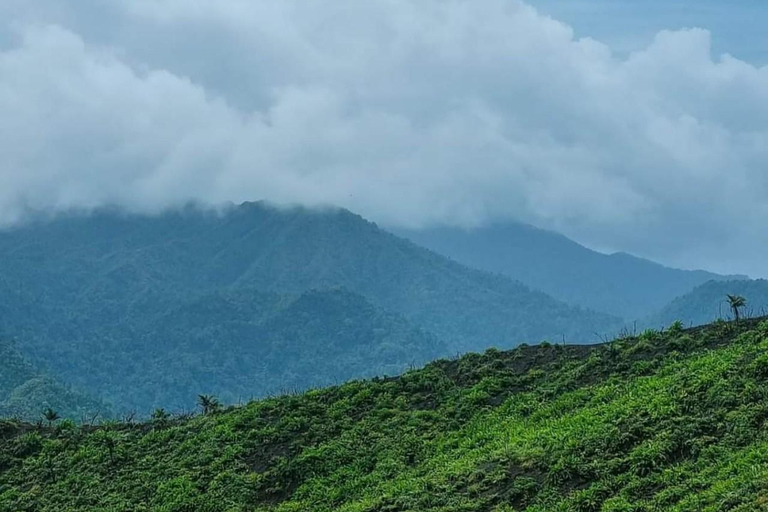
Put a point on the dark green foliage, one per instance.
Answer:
(152, 311)
(619, 283)
(160, 415)
(320, 338)
(641, 424)
(736, 302)
(51, 416)
(208, 404)
(26, 392)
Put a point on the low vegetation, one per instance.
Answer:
(672, 420)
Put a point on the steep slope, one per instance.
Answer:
(672, 421)
(25, 392)
(708, 302)
(93, 291)
(118, 258)
(238, 346)
(619, 284)
(231, 346)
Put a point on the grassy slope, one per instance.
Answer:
(673, 421)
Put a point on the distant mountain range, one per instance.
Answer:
(149, 311)
(619, 284)
(708, 302)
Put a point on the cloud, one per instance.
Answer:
(411, 113)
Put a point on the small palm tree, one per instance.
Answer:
(736, 302)
(50, 415)
(209, 404)
(110, 440)
(160, 415)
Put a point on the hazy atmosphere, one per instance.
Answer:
(383, 256)
(646, 134)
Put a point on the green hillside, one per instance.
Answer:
(672, 421)
(150, 311)
(708, 302)
(238, 345)
(319, 338)
(619, 284)
(25, 392)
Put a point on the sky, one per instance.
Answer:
(737, 27)
(632, 126)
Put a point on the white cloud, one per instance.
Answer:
(408, 112)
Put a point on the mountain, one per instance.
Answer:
(144, 309)
(708, 302)
(246, 344)
(236, 345)
(25, 392)
(619, 284)
(673, 421)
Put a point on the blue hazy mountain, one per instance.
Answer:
(709, 302)
(619, 284)
(130, 305)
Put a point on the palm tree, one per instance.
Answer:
(736, 302)
(160, 415)
(110, 440)
(209, 404)
(50, 415)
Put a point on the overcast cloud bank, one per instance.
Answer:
(409, 112)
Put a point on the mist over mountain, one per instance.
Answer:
(160, 308)
(408, 112)
(619, 284)
(384, 330)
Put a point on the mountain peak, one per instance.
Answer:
(123, 295)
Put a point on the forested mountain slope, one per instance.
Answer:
(319, 338)
(672, 421)
(619, 283)
(237, 345)
(25, 392)
(101, 298)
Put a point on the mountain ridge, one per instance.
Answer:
(619, 283)
(709, 302)
(95, 287)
